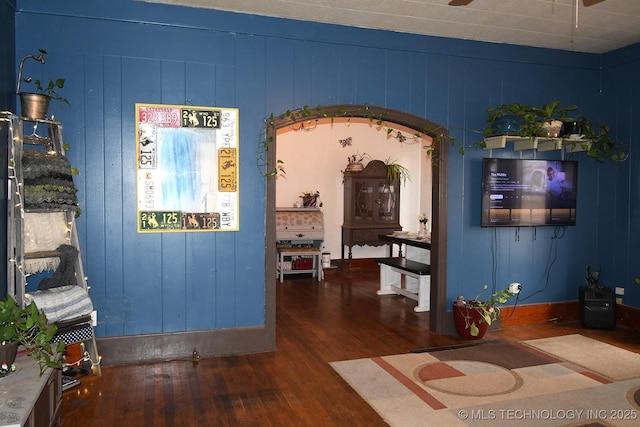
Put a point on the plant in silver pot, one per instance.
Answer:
(34, 105)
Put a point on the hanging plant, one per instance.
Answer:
(396, 173)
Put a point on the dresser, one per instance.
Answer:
(371, 208)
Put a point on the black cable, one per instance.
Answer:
(550, 261)
(494, 258)
(554, 248)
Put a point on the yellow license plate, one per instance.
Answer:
(227, 170)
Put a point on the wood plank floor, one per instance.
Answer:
(338, 319)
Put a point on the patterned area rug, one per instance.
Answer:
(498, 383)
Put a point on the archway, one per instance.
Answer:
(437, 315)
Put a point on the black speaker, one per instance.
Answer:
(597, 308)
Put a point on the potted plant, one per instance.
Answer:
(551, 117)
(517, 119)
(506, 119)
(473, 317)
(28, 326)
(35, 105)
(355, 162)
(396, 173)
(310, 199)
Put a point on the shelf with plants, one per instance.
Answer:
(549, 128)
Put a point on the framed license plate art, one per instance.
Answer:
(187, 168)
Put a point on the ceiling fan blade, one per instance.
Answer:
(459, 2)
(591, 2)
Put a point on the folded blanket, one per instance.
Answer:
(63, 303)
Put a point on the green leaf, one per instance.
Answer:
(473, 330)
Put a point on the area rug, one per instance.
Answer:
(612, 362)
(495, 384)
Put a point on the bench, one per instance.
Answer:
(409, 278)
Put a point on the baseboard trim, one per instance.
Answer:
(224, 342)
(531, 314)
(180, 345)
(628, 316)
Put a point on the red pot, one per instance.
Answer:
(464, 315)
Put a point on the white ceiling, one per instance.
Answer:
(603, 27)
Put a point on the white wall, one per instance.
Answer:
(313, 160)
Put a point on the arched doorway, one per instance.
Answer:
(437, 315)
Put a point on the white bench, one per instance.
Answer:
(411, 279)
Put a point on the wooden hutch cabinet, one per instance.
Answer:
(371, 207)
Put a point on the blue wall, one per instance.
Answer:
(619, 210)
(117, 53)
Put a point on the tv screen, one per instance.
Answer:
(521, 193)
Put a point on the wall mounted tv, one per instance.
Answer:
(521, 193)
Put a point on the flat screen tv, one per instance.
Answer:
(529, 193)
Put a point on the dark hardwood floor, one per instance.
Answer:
(338, 319)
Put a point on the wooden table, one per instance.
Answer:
(416, 249)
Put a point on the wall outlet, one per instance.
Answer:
(515, 288)
(619, 290)
(94, 318)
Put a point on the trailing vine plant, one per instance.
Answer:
(437, 133)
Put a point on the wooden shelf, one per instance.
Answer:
(41, 254)
(540, 144)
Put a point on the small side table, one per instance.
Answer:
(314, 253)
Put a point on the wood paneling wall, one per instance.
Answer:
(118, 53)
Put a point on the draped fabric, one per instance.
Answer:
(43, 232)
(48, 181)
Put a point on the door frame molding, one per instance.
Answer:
(440, 136)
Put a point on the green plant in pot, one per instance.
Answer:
(354, 162)
(551, 117)
(28, 326)
(35, 105)
(396, 173)
(310, 199)
(506, 119)
(473, 317)
(522, 120)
